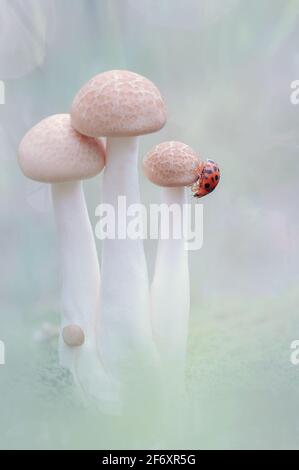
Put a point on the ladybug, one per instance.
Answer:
(208, 178)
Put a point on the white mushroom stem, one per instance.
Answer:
(80, 292)
(79, 262)
(124, 326)
(170, 291)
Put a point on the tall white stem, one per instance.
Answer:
(80, 288)
(124, 328)
(79, 262)
(170, 290)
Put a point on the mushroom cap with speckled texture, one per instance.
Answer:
(118, 103)
(53, 152)
(171, 164)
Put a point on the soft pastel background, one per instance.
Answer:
(225, 69)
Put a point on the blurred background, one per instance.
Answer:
(225, 70)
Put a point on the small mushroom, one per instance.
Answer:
(73, 335)
(121, 106)
(53, 152)
(172, 165)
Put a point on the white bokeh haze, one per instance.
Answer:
(225, 70)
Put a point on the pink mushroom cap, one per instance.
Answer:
(171, 164)
(118, 103)
(53, 152)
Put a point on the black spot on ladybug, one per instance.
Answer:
(207, 186)
(216, 177)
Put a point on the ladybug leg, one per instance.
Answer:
(195, 185)
(200, 168)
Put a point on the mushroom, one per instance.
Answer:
(73, 335)
(53, 152)
(121, 106)
(172, 165)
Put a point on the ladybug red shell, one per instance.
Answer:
(208, 178)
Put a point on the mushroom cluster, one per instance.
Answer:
(116, 325)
